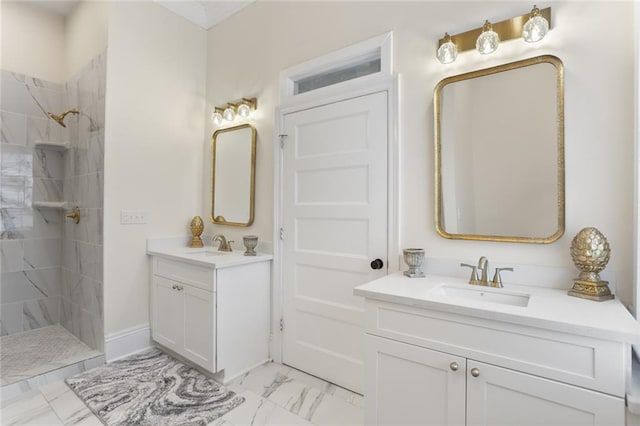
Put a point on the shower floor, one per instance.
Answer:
(35, 352)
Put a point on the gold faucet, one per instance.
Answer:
(224, 244)
(483, 279)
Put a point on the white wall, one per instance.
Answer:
(153, 146)
(247, 52)
(85, 35)
(33, 41)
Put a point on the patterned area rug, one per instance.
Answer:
(152, 388)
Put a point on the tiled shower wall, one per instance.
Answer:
(30, 238)
(84, 184)
(52, 268)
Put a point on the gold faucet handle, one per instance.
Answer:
(474, 272)
(229, 245)
(497, 279)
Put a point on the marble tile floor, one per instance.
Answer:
(275, 394)
(28, 354)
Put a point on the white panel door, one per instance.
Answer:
(501, 397)
(410, 385)
(199, 326)
(334, 206)
(168, 314)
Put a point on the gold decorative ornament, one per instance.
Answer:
(197, 226)
(590, 253)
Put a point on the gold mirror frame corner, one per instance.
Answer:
(557, 63)
(220, 220)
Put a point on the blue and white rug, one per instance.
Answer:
(152, 388)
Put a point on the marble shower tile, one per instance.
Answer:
(48, 163)
(16, 192)
(80, 160)
(40, 313)
(42, 253)
(70, 280)
(13, 128)
(96, 152)
(88, 259)
(44, 129)
(30, 285)
(16, 161)
(15, 223)
(47, 189)
(46, 223)
(91, 330)
(70, 255)
(12, 255)
(11, 318)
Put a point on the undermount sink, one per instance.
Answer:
(498, 296)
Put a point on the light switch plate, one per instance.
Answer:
(133, 217)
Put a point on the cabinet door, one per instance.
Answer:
(409, 385)
(498, 396)
(168, 314)
(199, 326)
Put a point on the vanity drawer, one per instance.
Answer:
(195, 275)
(582, 361)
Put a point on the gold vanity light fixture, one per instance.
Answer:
(242, 108)
(217, 116)
(532, 27)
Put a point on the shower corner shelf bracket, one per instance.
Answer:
(56, 205)
(58, 146)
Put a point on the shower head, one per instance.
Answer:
(60, 118)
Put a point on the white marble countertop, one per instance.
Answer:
(547, 308)
(177, 249)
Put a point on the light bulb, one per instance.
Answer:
(217, 118)
(229, 114)
(448, 51)
(536, 27)
(244, 110)
(488, 41)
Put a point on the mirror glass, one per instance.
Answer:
(499, 152)
(233, 175)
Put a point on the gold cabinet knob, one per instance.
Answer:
(453, 366)
(475, 372)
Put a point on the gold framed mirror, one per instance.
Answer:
(233, 169)
(499, 153)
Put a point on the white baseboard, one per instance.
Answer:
(127, 342)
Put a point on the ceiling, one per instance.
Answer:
(205, 14)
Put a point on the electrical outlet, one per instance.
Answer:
(133, 217)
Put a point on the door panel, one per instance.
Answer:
(199, 327)
(410, 385)
(499, 396)
(334, 206)
(168, 314)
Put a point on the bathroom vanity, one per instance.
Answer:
(211, 307)
(440, 351)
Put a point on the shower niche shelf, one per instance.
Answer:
(56, 146)
(55, 205)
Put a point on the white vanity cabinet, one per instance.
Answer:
(434, 367)
(216, 317)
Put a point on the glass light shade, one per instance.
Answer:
(488, 41)
(217, 118)
(448, 52)
(244, 110)
(229, 114)
(535, 29)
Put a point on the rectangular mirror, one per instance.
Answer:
(233, 175)
(499, 153)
